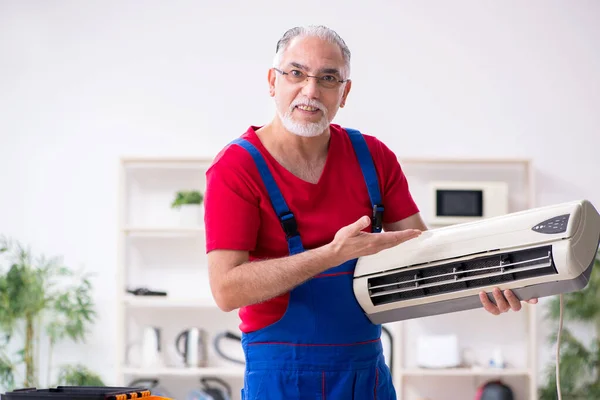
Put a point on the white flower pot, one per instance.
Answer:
(191, 215)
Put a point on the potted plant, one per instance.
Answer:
(189, 205)
(579, 361)
(40, 296)
(78, 375)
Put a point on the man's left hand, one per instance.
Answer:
(505, 301)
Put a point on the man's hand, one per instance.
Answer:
(352, 242)
(504, 302)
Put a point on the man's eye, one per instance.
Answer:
(329, 78)
(297, 74)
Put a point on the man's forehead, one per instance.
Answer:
(313, 62)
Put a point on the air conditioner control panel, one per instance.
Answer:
(553, 225)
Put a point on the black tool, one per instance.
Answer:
(215, 392)
(146, 292)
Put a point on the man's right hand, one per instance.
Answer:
(352, 242)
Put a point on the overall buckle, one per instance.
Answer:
(288, 222)
(377, 219)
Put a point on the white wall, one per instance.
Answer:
(83, 83)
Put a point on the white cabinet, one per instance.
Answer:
(162, 250)
(479, 334)
(159, 251)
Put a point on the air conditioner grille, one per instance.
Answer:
(460, 275)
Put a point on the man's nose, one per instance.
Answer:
(311, 87)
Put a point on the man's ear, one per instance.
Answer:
(345, 94)
(271, 78)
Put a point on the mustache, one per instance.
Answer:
(307, 102)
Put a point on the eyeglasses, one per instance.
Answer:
(296, 76)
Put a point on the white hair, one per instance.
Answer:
(317, 31)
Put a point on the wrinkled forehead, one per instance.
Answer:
(313, 54)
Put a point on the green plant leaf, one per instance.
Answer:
(78, 375)
(73, 311)
(39, 293)
(187, 197)
(7, 375)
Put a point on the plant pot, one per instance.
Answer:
(191, 215)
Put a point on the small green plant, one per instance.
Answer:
(187, 197)
(78, 375)
(38, 295)
(579, 363)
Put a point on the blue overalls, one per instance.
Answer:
(323, 347)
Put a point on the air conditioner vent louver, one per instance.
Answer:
(460, 275)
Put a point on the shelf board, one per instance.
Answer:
(416, 372)
(153, 302)
(466, 160)
(229, 372)
(155, 231)
(166, 162)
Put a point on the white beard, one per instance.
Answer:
(309, 129)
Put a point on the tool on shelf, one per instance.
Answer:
(213, 392)
(191, 345)
(143, 291)
(217, 345)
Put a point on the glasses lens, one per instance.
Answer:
(296, 76)
(328, 82)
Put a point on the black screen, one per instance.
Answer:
(459, 203)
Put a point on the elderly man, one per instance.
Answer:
(289, 207)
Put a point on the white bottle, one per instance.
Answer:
(151, 347)
(497, 360)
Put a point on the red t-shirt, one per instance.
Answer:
(239, 215)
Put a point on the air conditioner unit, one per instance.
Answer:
(538, 252)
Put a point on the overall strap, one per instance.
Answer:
(286, 217)
(370, 175)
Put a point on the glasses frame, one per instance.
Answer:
(318, 78)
